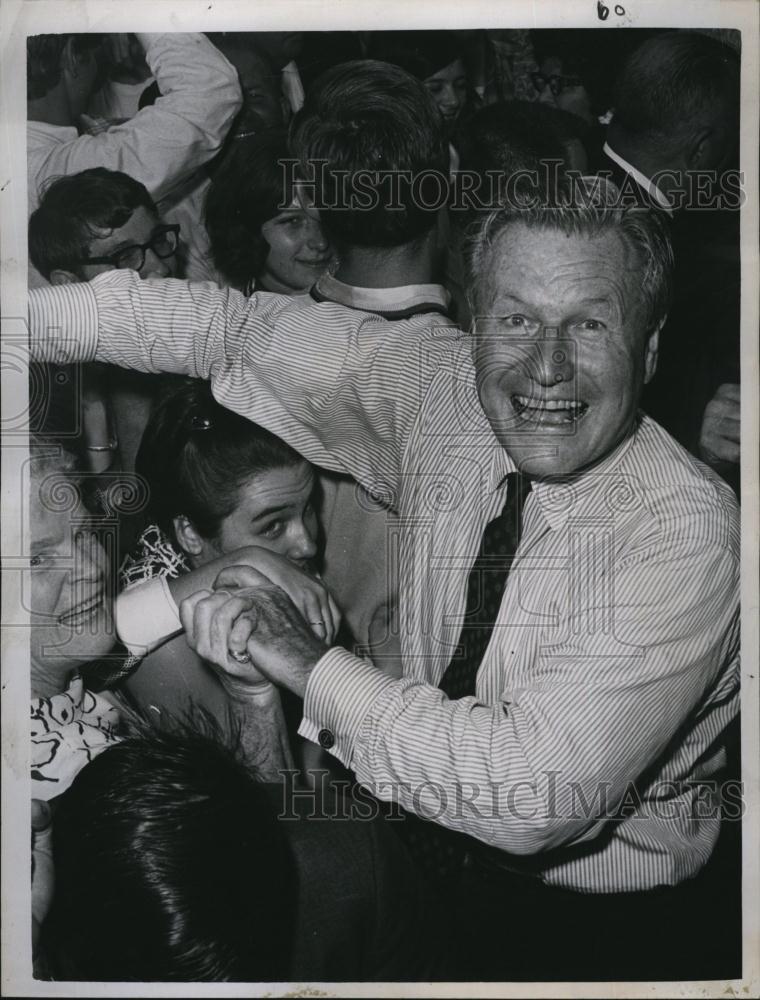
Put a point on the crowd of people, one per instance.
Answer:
(395, 380)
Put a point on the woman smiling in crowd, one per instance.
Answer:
(262, 237)
(436, 58)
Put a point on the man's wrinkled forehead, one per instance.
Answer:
(597, 268)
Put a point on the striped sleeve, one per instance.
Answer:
(600, 707)
(360, 683)
(63, 323)
(343, 387)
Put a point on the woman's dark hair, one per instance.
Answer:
(371, 123)
(195, 455)
(249, 187)
(170, 866)
(73, 208)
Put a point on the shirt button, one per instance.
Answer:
(326, 739)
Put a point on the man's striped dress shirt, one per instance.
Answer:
(592, 748)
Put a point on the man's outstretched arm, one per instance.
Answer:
(341, 386)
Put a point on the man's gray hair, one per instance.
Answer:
(579, 206)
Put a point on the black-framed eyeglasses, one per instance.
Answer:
(556, 82)
(163, 243)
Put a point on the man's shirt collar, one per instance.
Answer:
(396, 303)
(641, 179)
(560, 499)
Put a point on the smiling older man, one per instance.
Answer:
(568, 573)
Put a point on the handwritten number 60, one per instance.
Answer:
(603, 11)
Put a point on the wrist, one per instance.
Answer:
(261, 691)
(298, 676)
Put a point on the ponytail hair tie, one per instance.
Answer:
(200, 422)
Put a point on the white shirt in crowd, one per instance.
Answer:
(594, 734)
(163, 145)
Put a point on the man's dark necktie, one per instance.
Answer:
(485, 589)
(438, 851)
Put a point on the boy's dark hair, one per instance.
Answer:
(249, 187)
(74, 208)
(170, 866)
(43, 59)
(196, 454)
(372, 123)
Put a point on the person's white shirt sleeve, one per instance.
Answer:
(146, 616)
(166, 143)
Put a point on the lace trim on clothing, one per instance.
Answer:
(156, 557)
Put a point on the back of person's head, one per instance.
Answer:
(501, 143)
(386, 158)
(44, 54)
(509, 137)
(75, 209)
(674, 85)
(195, 455)
(170, 866)
(248, 188)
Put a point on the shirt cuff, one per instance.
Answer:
(63, 323)
(340, 692)
(146, 615)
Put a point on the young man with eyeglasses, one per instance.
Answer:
(163, 146)
(87, 223)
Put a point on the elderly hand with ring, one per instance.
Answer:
(253, 635)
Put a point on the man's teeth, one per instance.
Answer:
(529, 402)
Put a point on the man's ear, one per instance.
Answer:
(189, 540)
(59, 276)
(650, 357)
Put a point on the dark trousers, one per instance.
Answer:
(509, 927)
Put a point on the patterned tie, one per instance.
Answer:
(437, 851)
(485, 588)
